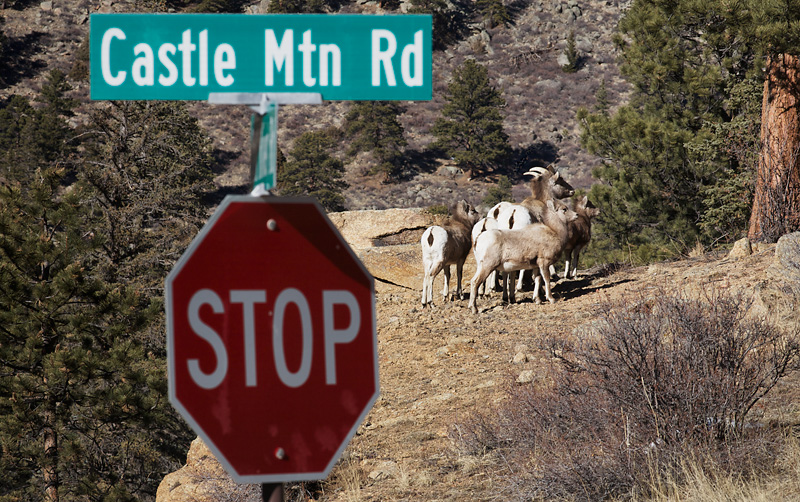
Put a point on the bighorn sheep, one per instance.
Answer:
(580, 233)
(537, 245)
(546, 184)
(483, 225)
(507, 216)
(445, 245)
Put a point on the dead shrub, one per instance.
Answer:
(654, 381)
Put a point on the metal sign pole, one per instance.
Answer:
(263, 130)
(272, 492)
(263, 160)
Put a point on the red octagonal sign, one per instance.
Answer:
(271, 339)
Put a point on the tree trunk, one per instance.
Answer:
(50, 470)
(776, 206)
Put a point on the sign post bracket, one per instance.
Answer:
(264, 130)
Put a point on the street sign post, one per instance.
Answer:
(264, 147)
(189, 56)
(271, 339)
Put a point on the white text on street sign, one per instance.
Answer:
(189, 56)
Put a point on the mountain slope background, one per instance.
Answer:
(522, 59)
(443, 369)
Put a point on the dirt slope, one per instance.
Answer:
(438, 366)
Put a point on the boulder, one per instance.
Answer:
(367, 228)
(740, 249)
(203, 479)
(779, 293)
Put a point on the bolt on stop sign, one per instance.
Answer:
(271, 339)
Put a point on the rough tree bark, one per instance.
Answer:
(50, 468)
(776, 207)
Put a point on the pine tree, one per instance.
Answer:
(149, 167)
(682, 59)
(30, 135)
(602, 104)
(83, 409)
(3, 44)
(296, 6)
(732, 153)
(373, 126)
(499, 192)
(471, 128)
(447, 22)
(311, 170)
(571, 52)
(494, 12)
(80, 398)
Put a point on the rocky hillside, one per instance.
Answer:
(522, 58)
(440, 366)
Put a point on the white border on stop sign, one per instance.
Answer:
(265, 478)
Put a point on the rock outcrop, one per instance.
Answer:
(203, 479)
(370, 228)
(780, 291)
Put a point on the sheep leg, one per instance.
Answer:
(509, 279)
(519, 280)
(490, 284)
(575, 254)
(459, 274)
(446, 289)
(545, 272)
(537, 280)
(427, 285)
(425, 290)
(479, 277)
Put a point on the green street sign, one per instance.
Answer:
(264, 147)
(188, 56)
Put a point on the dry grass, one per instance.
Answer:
(653, 398)
(699, 485)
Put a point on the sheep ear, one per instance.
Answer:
(556, 176)
(585, 200)
(550, 205)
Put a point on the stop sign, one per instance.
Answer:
(271, 339)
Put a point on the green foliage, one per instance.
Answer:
(494, 12)
(372, 126)
(438, 209)
(446, 22)
(149, 166)
(471, 127)
(80, 65)
(83, 408)
(311, 170)
(571, 51)
(602, 104)
(31, 135)
(777, 25)
(650, 197)
(219, 6)
(732, 152)
(499, 192)
(72, 368)
(679, 158)
(3, 43)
